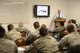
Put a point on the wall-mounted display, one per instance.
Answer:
(41, 10)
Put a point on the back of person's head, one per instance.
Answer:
(74, 49)
(43, 25)
(43, 31)
(2, 32)
(62, 23)
(73, 21)
(36, 25)
(20, 24)
(10, 27)
(70, 28)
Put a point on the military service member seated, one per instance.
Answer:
(12, 34)
(33, 35)
(6, 46)
(71, 39)
(45, 44)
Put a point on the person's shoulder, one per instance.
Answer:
(52, 39)
(7, 33)
(40, 39)
(36, 32)
(15, 31)
(66, 37)
(10, 42)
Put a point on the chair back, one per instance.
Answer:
(20, 42)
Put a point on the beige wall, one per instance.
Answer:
(73, 10)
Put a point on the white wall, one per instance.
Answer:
(27, 9)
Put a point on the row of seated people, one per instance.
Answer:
(9, 41)
(41, 41)
(60, 32)
(19, 34)
(14, 36)
(47, 44)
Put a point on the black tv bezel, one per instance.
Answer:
(35, 11)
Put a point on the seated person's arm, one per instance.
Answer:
(63, 43)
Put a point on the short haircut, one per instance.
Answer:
(10, 27)
(74, 49)
(36, 25)
(2, 32)
(73, 21)
(43, 31)
(70, 28)
(43, 25)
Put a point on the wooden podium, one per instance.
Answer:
(58, 20)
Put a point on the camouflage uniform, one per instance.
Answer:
(69, 40)
(20, 29)
(23, 29)
(13, 35)
(45, 44)
(7, 46)
(32, 37)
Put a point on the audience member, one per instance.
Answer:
(21, 28)
(34, 35)
(69, 39)
(71, 21)
(45, 44)
(74, 21)
(12, 34)
(43, 25)
(6, 46)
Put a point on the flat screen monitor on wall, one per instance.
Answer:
(41, 10)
